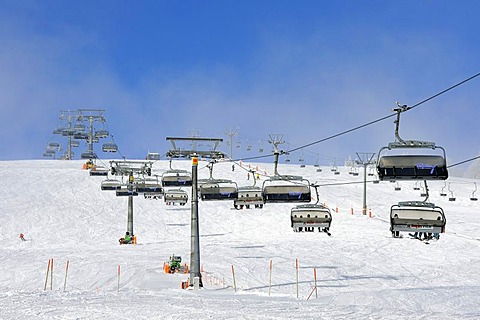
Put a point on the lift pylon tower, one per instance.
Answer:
(91, 115)
(365, 159)
(276, 140)
(130, 168)
(68, 116)
(231, 133)
(195, 274)
(213, 153)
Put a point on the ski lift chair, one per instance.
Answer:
(416, 216)
(98, 171)
(307, 217)
(79, 127)
(153, 156)
(218, 189)
(58, 130)
(249, 196)
(174, 196)
(285, 189)
(66, 132)
(452, 197)
(80, 135)
(109, 147)
(111, 184)
(88, 155)
(473, 197)
(101, 134)
(176, 178)
(418, 167)
(126, 190)
(53, 146)
(416, 187)
(335, 170)
(411, 165)
(149, 187)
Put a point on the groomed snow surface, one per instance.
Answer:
(362, 272)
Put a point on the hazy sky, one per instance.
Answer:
(307, 69)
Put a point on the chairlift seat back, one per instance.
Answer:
(249, 196)
(110, 185)
(218, 192)
(286, 193)
(417, 219)
(149, 187)
(310, 216)
(413, 167)
(109, 147)
(177, 178)
(99, 171)
(124, 192)
(176, 196)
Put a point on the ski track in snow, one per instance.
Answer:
(362, 272)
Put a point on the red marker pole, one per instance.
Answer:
(118, 278)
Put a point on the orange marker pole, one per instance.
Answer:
(66, 272)
(46, 277)
(315, 279)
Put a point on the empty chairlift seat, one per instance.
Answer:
(218, 189)
(249, 196)
(109, 147)
(153, 156)
(126, 190)
(416, 216)
(111, 184)
(53, 146)
(307, 217)
(149, 187)
(175, 196)
(286, 189)
(412, 166)
(79, 127)
(176, 178)
(88, 155)
(101, 134)
(80, 135)
(98, 171)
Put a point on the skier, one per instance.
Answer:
(126, 240)
(233, 167)
(22, 237)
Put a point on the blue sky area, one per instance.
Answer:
(306, 69)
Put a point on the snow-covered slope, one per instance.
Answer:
(362, 272)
